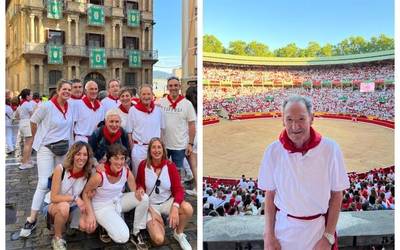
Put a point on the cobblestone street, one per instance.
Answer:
(20, 186)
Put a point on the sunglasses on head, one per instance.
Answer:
(157, 190)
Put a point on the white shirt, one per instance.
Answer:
(109, 103)
(69, 186)
(26, 110)
(124, 118)
(176, 123)
(145, 126)
(303, 182)
(164, 187)
(87, 119)
(109, 192)
(52, 126)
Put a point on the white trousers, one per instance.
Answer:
(139, 153)
(295, 234)
(46, 161)
(10, 138)
(108, 215)
(81, 138)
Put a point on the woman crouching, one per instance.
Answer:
(108, 202)
(63, 202)
(160, 180)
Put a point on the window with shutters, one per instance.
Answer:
(54, 76)
(130, 80)
(95, 40)
(131, 42)
(55, 37)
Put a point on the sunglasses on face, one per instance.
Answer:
(157, 190)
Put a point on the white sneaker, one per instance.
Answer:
(58, 244)
(26, 166)
(183, 242)
(188, 177)
(191, 192)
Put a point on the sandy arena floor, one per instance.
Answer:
(233, 148)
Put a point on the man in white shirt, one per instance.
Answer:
(88, 113)
(145, 121)
(111, 101)
(180, 119)
(303, 175)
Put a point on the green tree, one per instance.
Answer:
(343, 48)
(290, 50)
(327, 50)
(313, 49)
(237, 47)
(255, 48)
(212, 44)
(385, 43)
(357, 45)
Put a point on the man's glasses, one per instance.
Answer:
(157, 190)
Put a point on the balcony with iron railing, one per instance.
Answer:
(73, 50)
(149, 54)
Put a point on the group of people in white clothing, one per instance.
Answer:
(99, 159)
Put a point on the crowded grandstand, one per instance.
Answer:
(348, 87)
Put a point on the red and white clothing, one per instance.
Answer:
(109, 202)
(87, 117)
(177, 116)
(123, 113)
(52, 124)
(74, 101)
(170, 182)
(144, 126)
(302, 185)
(110, 102)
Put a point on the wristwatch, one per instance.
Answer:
(330, 238)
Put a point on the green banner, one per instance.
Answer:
(343, 98)
(269, 98)
(98, 59)
(95, 15)
(135, 59)
(382, 99)
(55, 54)
(133, 18)
(54, 9)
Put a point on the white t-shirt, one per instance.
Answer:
(124, 119)
(26, 110)
(52, 126)
(109, 103)
(145, 126)
(164, 187)
(176, 123)
(303, 183)
(87, 119)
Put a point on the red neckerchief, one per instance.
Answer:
(14, 107)
(161, 165)
(315, 139)
(86, 100)
(113, 98)
(36, 100)
(76, 175)
(140, 106)
(174, 103)
(108, 170)
(76, 98)
(109, 137)
(22, 101)
(54, 101)
(123, 109)
(135, 100)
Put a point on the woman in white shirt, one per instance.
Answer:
(9, 127)
(125, 97)
(52, 130)
(24, 113)
(109, 202)
(64, 201)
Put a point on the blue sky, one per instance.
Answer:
(277, 23)
(167, 34)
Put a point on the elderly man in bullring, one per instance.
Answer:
(303, 174)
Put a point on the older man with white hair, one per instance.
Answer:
(303, 175)
(88, 113)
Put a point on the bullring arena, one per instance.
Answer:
(236, 147)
